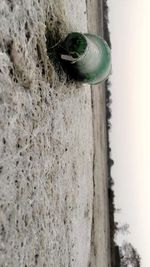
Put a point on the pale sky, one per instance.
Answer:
(130, 134)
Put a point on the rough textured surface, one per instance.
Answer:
(46, 144)
(53, 186)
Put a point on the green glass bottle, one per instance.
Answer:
(86, 57)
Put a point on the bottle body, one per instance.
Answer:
(88, 57)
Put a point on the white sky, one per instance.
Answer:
(130, 134)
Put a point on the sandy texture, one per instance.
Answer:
(100, 238)
(46, 144)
